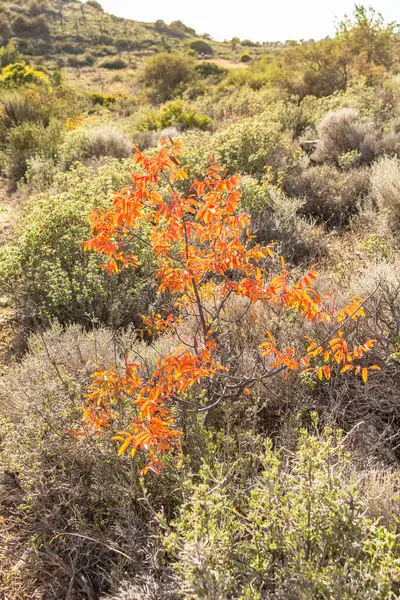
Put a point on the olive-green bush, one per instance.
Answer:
(166, 75)
(201, 47)
(31, 140)
(254, 147)
(46, 271)
(174, 114)
(298, 529)
(115, 64)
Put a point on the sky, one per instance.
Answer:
(258, 20)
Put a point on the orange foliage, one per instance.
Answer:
(198, 238)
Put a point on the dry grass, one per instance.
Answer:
(385, 184)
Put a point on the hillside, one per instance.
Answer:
(199, 311)
(81, 38)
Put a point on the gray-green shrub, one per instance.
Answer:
(166, 75)
(298, 529)
(75, 497)
(344, 131)
(30, 140)
(82, 144)
(330, 195)
(385, 185)
(47, 272)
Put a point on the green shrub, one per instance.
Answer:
(210, 69)
(102, 99)
(298, 530)
(201, 47)
(40, 173)
(253, 146)
(5, 29)
(37, 26)
(70, 47)
(81, 60)
(114, 64)
(30, 140)
(167, 74)
(8, 55)
(17, 107)
(48, 273)
(175, 114)
(22, 74)
(245, 57)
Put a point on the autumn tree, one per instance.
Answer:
(205, 256)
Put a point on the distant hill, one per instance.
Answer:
(81, 36)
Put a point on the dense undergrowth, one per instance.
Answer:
(288, 493)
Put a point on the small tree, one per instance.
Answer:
(205, 256)
(201, 47)
(166, 74)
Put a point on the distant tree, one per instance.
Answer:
(316, 69)
(161, 26)
(201, 47)
(167, 73)
(367, 33)
(5, 29)
(235, 41)
(95, 4)
(179, 29)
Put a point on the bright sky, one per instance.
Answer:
(258, 20)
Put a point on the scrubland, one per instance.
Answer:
(287, 488)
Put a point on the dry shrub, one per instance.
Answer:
(373, 410)
(344, 131)
(82, 144)
(299, 240)
(150, 139)
(107, 141)
(385, 184)
(330, 195)
(82, 505)
(144, 588)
